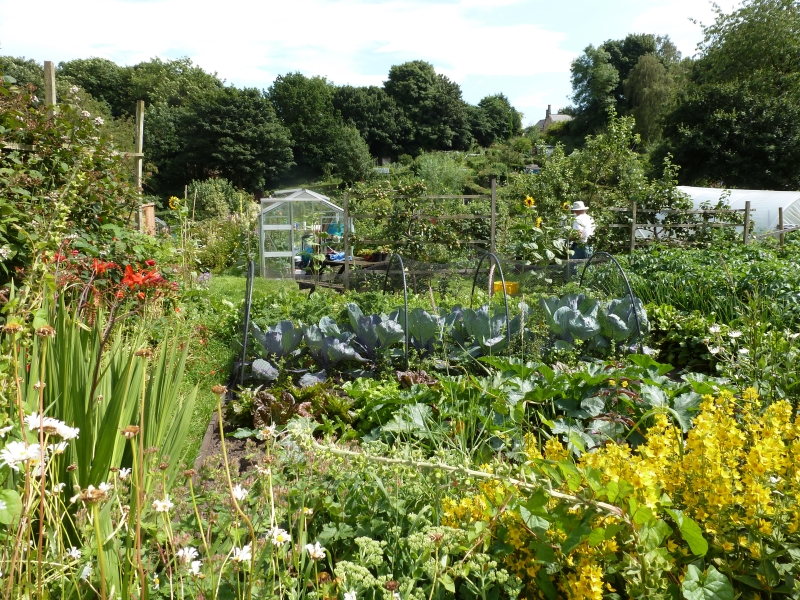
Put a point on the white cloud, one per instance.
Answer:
(249, 43)
(674, 17)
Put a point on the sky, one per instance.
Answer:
(522, 48)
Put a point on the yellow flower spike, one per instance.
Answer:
(539, 222)
(612, 382)
(529, 202)
(624, 384)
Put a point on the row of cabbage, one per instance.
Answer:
(460, 334)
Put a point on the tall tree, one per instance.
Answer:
(594, 80)
(236, 134)
(104, 80)
(305, 107)
(494, 119)
(648, 89)
(623, 55)
(433, 105)
(738, 119)
(376, 116)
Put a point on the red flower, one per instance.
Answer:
(120, 294)
(140, 295)
(150, 262)
(132, 279)
(75, 252)
(100, 267)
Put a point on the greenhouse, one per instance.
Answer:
(764, 204)
(292, 224)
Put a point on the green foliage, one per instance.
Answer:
(236, 134)
(351, 158)
(736, 120)
(494, 120)
(376, 116)
(433, 105)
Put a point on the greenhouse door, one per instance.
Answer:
(277, 251)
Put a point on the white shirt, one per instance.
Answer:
(585, 225)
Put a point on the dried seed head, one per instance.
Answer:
(12, 328)
(163, 466)
(130, 432)
(46, 331)
(72, 467)
(144, 352)
(39, 385)
(219, 390)
(392, 585)
(436, 537)
(189, 473)
(151, 450)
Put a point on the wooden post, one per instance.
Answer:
(49, 87)
(746, 236)
(149, 218)
(139, 157)
(346, 242)
(633, 227)
(780, 225)
(492, 237)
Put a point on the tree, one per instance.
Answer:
(376, 116)
(738, 119)
(494, 119)
(649, 89)
(305, 107)
(434, 106)
(623, 55)
(173, 82)
(594, 80)
(104, 80)
(351, 158)
(235, 134)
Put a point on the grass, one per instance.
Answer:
(212, 326)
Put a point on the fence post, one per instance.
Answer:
(493, 183)
(49, 87)
(633, 227)
(746, 236)
(780, 224)
(346, 242)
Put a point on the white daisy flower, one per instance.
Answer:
(163, 506)
(239, 492)
(242, 554)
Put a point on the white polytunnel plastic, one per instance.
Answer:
(764, 204)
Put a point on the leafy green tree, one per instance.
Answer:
(623, 55)
(494, 119)
(173, 82)
(376, 115)
(434, 106)
(104, 80)
(737, 120)
(649, 89)
(594, 80)
(305, 107)
(236, 134)
(351, 158)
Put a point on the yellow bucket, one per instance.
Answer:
(512, 287)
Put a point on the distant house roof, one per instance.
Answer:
(560, 117)
(550, 118)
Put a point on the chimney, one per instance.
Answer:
(548, 111)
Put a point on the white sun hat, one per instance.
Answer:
(579, 205)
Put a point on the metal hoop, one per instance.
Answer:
(405, 295)
(606, 255)
(493, 259)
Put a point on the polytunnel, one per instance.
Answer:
(764, 204)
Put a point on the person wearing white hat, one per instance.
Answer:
(584, 226)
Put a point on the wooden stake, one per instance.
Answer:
(633, 227)
(49, 87)
(780, 224)
(746, 236)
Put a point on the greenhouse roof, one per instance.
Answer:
(763, 203)
(297, 195)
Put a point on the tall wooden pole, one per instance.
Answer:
(492, 235)
(49, 87)
(633, 227)
(780, 225)
(139, 155)
(746, 236)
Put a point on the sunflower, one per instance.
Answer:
(529, 202)
(565, 206)
(174, 202)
